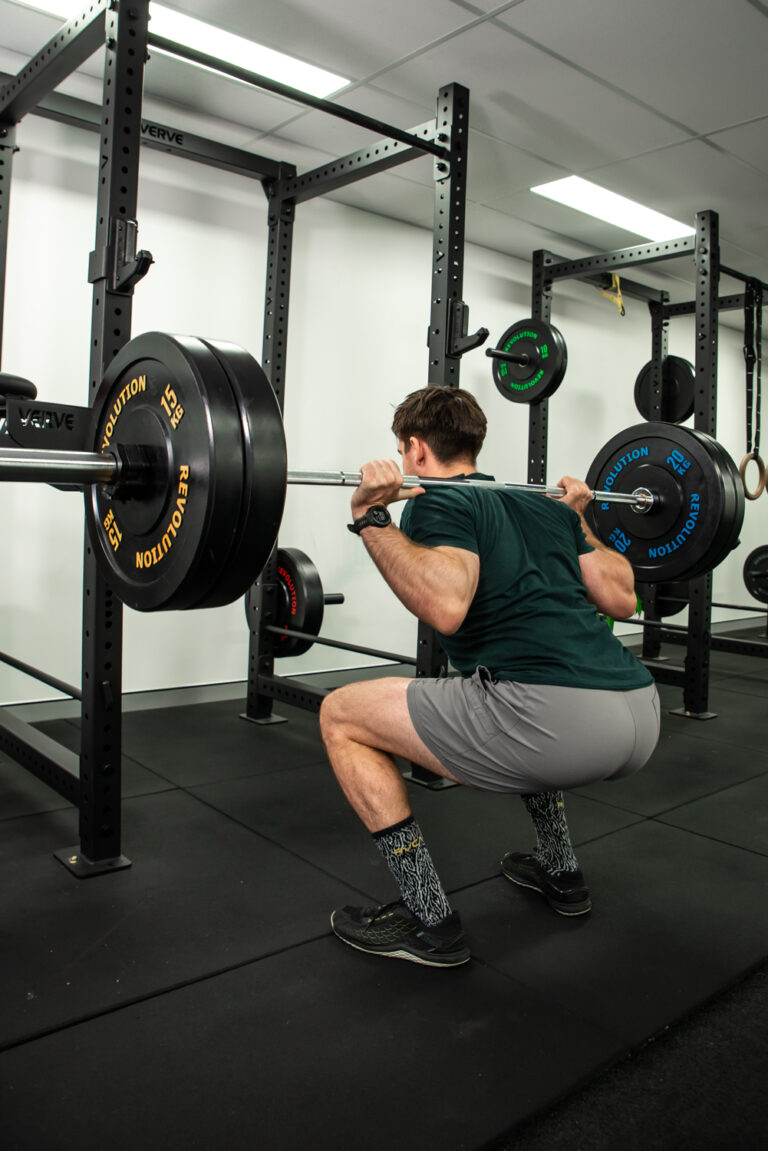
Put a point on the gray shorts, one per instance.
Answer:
(522, 737)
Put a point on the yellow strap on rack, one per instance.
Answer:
(614, 295)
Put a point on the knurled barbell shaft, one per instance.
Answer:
(641, 499)
(52, 467)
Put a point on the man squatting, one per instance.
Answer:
(546, 698)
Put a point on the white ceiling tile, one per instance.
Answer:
(683, 58)
(607, 88)
(25, 31)
(526, 97)
(503, 232)
(749, 142)
(177, 82)
(352, 37)
(695, 177)
(496, 169)
(561, 221)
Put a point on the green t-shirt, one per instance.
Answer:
(530, 620)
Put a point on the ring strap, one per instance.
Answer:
(753, 338)
(755, 455)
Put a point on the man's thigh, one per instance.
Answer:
(375, 713)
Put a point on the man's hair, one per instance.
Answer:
(448, 419)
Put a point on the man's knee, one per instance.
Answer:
(333, 711)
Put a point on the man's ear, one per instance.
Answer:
(420, 449)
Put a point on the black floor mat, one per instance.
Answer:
(203, 894)
(267, 1057)
(467, 831)
(675, 917)
(197, 999)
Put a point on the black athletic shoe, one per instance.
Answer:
(394, 931)
(566, 892)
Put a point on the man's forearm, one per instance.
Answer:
(610, 579)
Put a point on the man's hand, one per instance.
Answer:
(381, 484)
(577, 494)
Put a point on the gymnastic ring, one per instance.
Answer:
(760, 475)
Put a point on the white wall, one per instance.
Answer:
(357, 344)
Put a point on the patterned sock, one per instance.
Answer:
(408, 858)
(553, 841)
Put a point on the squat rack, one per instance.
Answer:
(704, 246)
(92, 781)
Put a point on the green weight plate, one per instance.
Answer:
(756, 574)
(264, 474)
(677, 390)
(699, 509)
(547, 356)
(165, 547)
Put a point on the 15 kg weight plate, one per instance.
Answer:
(264, 473)
(166, 546)
(699, 505)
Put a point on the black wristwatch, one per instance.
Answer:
(377, 516)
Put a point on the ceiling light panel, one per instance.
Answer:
(223, 45)
(602, 204)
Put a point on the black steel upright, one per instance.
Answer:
(282, 211)
(450, 172)
(659, 347)
(447, 293)
(120, 140)
(707, 262)
(704, 247)
(115, 267)
(446, 139)
(7, 148)
(541, 309)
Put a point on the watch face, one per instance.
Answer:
(379, 515)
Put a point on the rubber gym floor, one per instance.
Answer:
(199, 1000)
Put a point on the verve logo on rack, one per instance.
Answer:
(165, 135)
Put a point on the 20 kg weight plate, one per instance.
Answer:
(699, 501)
(166, 546)
(547, 359)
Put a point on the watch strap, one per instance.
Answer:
(368, 520)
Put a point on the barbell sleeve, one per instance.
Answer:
(521, 358)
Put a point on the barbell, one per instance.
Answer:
(186, 482)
